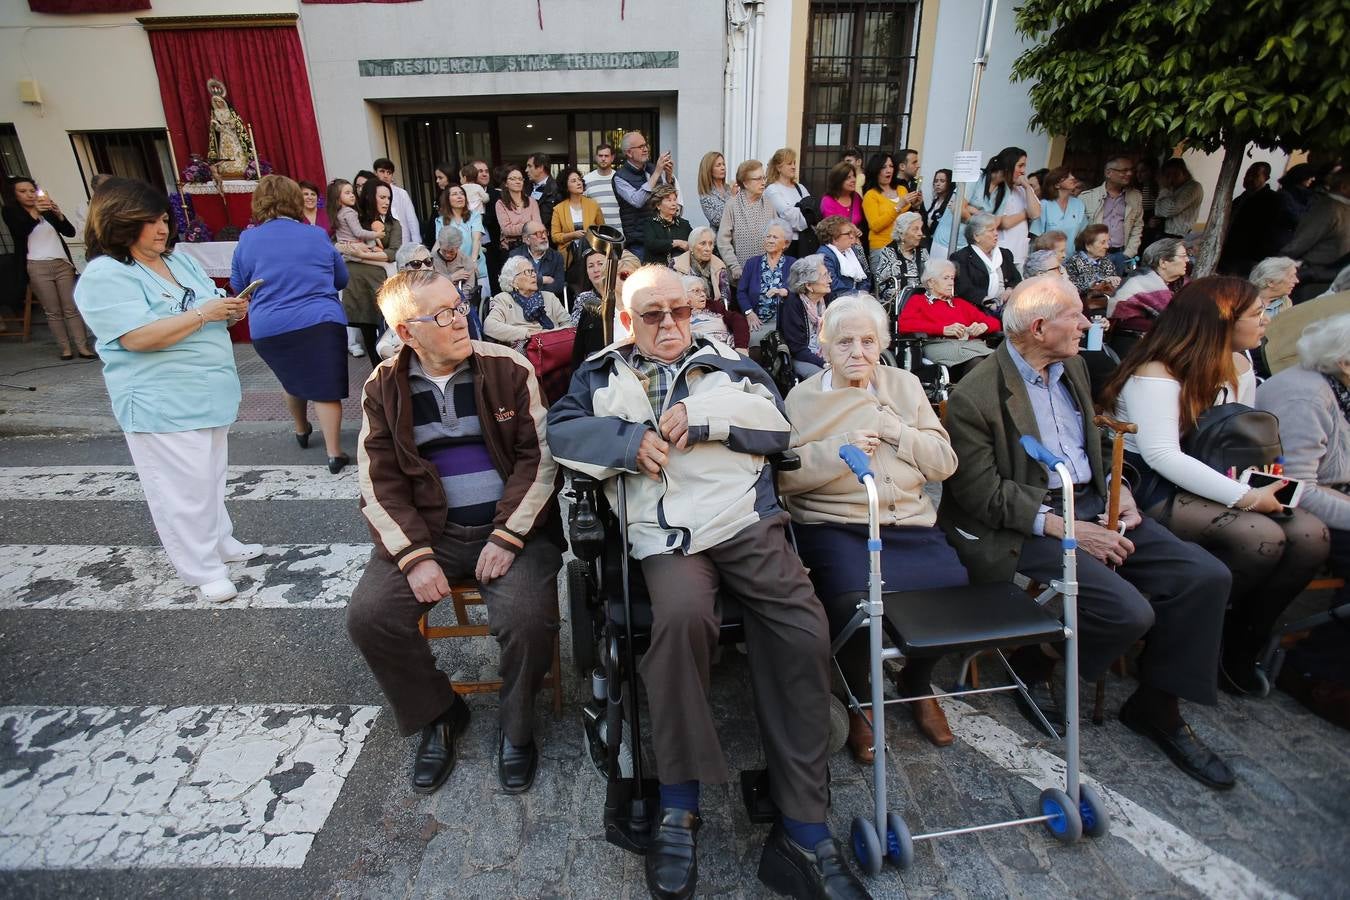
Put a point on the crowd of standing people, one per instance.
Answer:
(462, 441)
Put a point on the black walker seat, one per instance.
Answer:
(974, 617)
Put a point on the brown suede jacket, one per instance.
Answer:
(401, 494)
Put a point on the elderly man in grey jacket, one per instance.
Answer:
(687, 423)
(1002, 513)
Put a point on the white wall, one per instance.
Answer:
(1205, 169)
(336, 37)
(1004, 108)
(95, 73)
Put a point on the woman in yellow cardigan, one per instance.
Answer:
(884, 201)
(571, 218)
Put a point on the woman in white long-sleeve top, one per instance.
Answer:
(1193, 359)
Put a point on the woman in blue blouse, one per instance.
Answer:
(763, 284)
(298, 325)
(160, 324)
(1061, 210)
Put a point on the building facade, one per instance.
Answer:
(444, 81)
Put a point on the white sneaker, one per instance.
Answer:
(356, 350)
(244, 553)
(218, 591)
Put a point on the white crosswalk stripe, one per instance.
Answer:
(191, 786)
(121, 483)
(125, 579)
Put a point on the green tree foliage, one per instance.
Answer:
(1209, 74)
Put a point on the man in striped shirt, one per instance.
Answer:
(600, 185)
(457, 484)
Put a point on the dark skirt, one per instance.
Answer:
(912, 558)
(310, 363)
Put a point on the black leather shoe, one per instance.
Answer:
(516, 765)
(791, 870)
(435, 758)
(1043, 697)
(672, 859)
(303, 439)
(337, 463)
(1183, 746)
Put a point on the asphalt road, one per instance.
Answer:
(97, 669)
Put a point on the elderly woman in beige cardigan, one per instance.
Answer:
(883, 411)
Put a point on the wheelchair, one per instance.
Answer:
(776, 359)
(611, 626)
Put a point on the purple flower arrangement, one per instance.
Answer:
(197, 172)
(251, 172)
(196, 232)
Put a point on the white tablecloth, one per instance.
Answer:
(213, 256)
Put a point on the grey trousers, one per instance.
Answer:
(522, 609)
(1180, 621)
(787, 638)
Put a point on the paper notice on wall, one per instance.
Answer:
(829, 135)
(869, 135)
(966, 165)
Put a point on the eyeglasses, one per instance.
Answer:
(420, 263)
(189, 298)
(638, 147)
(444, 317)
(657, 316)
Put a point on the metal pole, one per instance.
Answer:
(982, 50)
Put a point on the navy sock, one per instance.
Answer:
(683, 795)
(804, 834)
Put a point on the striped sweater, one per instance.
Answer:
(403, 497)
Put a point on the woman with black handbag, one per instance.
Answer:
(1193, 362)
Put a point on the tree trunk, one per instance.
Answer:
(1216, 229)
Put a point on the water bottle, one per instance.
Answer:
(1094, 335)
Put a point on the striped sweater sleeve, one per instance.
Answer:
(386, 493)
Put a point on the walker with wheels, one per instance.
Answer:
(960, 619)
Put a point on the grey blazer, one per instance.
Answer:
(989, 506)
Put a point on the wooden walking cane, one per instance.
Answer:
(1118, 431)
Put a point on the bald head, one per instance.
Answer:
(656, 292)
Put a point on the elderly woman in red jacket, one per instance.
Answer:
(962, 325)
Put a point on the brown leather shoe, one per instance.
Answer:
(860, 736)
(932, 721)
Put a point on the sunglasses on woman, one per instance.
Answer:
(420, 263)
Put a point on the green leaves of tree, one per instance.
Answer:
(1203, 72)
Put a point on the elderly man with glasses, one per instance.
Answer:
(688, 422)
(1120, 208)
(548, 262)
(457, 484)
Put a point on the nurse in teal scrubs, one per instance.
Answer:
(160, 325)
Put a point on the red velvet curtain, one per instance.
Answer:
(264, 72)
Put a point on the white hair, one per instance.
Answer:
(902, 223)
(782, 226)
(698, 234)
(645, 278)
(693, 281)
(1325, 344)
(978, 223)
(1042, 297)
(449, 239)
(856, 304)
(1270, 270)
(513, 266)
(936, 268)
(406, 253)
